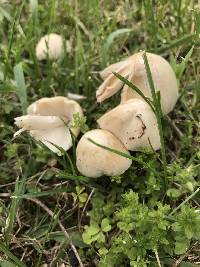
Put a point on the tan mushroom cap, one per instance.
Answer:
(49, 120)
(112, 84)
(94, 161)
(134, 123)
(50, 45)
(133, 69)
(110, 69)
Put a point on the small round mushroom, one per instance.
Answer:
(133, 69)
(95, 161)
(50, 120)
(134, 123)
(50, 46)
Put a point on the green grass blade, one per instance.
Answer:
(6, 88)
(43, 194)
(125, 155)
(136, 89)
(1, 74)
(197, 21)
(10, 221)
(51, 226)
(185, 201)
(15, 23)
(81, 179)
(150, 80)
(109, 41)
(21, 86)
(187, 39)
(158, 113)
(65, 154)
(14, 206)
(7, 263)
(73, 177)
(180, 68)
(5, 14)
(12, 257)
(33, 6)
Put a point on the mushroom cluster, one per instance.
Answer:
(132, 124)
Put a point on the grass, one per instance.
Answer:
(45, 204)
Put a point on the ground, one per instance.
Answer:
(50, 215)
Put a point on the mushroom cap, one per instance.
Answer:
(50, 45)
(60, 136)
(47, 129)
(57, 106)
(134, 123)
(94, 161)
(110, 69)
(49, 120)
(112, 84)
(134, 70)
(35, 122)
(164, 81)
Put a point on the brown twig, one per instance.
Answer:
(5, 185)
(4, 194)
(44, 207)
(89, 197)
(182, 257)
(157, 258)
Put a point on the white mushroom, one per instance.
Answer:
(133, 69)
(95, 161)
(50, 120)
(35, 122)
(134, 123)
(50, 46)
(57, 106)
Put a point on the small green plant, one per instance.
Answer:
(80, 122)
(186, 228)
(80, 196)
(141, 230)
(95, 233)
(180, 68)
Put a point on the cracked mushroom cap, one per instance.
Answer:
(133, 69)
(50, 120)
(94, 161)
(50, 45)
(134, 123)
